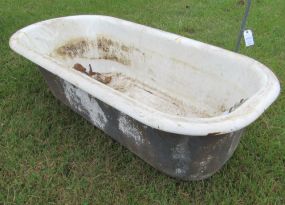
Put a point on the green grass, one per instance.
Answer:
(50, 155)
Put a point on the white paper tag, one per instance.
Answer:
(248, 38)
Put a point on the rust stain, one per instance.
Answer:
(113, 50)
(108, 49)
(73, 48)
(80, 68)
(104, 44)
(96, 75)
(215, 134)
(103, 79)
(125, 48)
(90, 73)
(222, 108)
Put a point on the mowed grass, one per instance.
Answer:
(50, 155)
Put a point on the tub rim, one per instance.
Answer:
(244, 115)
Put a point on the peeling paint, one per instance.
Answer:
(83, 102)
(180, 171)
(182, 155)
(203, 171)
(128, 128)
(179, 152)
(179, 156)
(204, 163)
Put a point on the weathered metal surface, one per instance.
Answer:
(179, 156)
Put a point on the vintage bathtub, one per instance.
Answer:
(179, 104)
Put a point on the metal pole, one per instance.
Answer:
(243, 23)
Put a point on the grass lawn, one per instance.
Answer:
(50, 155)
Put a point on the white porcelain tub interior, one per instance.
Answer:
(162, 79)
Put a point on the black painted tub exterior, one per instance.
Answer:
(180, 156)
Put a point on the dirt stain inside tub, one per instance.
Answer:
(152, 97)
(142, 92)
(103, 78)
(83, 50)
(113, 50)
(73, 48)
(102, 48)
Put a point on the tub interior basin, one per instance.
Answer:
(164, 83)
(189, 85)
(164, 72)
